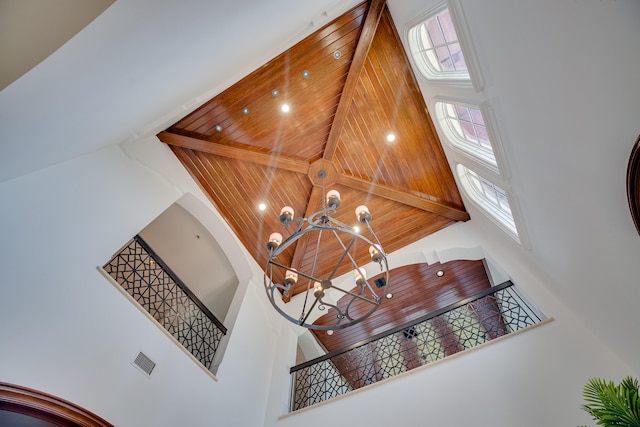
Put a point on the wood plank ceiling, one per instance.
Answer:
(348, 86)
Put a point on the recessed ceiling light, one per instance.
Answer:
(440, 273)
(218, 128)
(262, 206)
(275, 92)
(337, 54)
(330, 332)
(305, 74)
(391, 137)
(285, 108)
(389, 295)
(356, 229)
(246, 111)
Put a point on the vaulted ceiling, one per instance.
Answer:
(348, 86)
(567, 136)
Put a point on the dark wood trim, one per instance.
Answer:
(313, 206)
(421, 319)
(46, 407)
(633, 184)
(403, 197)
(359, 57)
(229, 152)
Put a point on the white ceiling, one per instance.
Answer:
(561, 76)
(31, 30)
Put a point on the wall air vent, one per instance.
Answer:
(143, 363)
(380, 282)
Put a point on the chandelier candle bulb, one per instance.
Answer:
(286, 215)
(318, 290)
(274, 241)
(374, 251)
(361, 276)
(291, 278)
(363, 214)
(333, 199)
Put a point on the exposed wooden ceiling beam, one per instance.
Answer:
(312, 207)
(302, 243)
(357, 63)
(234, 152)
(403, 197)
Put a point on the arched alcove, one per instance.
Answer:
(185, 256)
(195, 256)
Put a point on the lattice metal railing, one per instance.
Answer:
(488, 315)
(162, 294)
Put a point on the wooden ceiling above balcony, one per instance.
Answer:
(348, 85)
(418, 291)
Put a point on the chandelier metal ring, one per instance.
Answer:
(324, 295)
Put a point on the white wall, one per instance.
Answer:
(530, 380)
(562, 78)
(68, 332)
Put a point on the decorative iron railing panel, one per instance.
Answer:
(490, 314)
(160, 292)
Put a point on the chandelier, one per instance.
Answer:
(344, 301)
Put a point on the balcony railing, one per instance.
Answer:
(146, 277)
(487, 315)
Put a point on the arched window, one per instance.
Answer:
(464, 127)
(442, 52)
(489, 197)
(435, 47)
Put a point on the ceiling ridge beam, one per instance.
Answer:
(357, 63)
(404, 197)
(230, 152)
(314, 205)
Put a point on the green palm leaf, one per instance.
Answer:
(613, 405)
